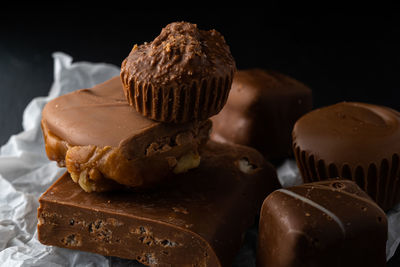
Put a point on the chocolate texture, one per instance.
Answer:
(327, 223)
(196, 219)
(105, 143)
(356, 141)
(261, 110)
(184, 74)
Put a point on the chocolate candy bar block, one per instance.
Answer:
(105, 143)
(197, 218)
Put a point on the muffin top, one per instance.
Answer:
(180, 54)
(349, 132)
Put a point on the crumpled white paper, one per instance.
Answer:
(25, 173)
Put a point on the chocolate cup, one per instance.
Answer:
(355, 141)
(379, 180)
(196, 101)
(183, 75)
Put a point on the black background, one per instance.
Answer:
(352, 56)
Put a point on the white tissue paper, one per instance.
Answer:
(25, 173)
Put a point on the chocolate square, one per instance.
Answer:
(329, 223)
(261, 110)
(197, 218)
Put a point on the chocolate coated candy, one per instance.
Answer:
(104, 142)
(328, 223)
(356, 141)
(261, 110)
(184, 74)
(195, 219)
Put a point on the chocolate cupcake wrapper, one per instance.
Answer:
(197, 102)
(381, 180)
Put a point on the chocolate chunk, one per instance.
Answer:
(328, 223)
(104, 142)
(261, 110)
(196, 219)
(184, 74)
(356, 141)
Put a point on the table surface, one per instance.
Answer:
(339, 58)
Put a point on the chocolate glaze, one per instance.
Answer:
(101, 116)
(196, 219)
(261, 110)
(357, 141)
(95, 133)
(184, 74)
(328, 223)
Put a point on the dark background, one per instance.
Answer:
(342, 57)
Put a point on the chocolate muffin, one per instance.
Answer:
(357, 141)
(184, 74)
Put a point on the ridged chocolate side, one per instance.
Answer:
(197, 102)
(380, 180)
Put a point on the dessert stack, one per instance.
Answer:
(143, 181)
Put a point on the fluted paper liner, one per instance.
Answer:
(379, 179)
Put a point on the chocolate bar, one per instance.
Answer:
(197, 218)
(328, 223)
(104, 142)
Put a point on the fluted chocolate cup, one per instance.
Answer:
(356, 141)
(183, 75)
